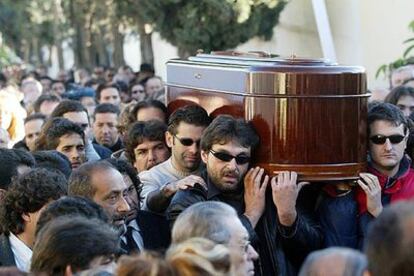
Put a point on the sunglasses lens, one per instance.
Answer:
(223, 156)
(378, 139)
(396, 139)
(186, 142)
(241, 160)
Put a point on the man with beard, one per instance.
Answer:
(105, 185)
(105, 127)
(277, 228)
(182, 169)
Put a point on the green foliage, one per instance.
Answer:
(211, 24)
(406, 59)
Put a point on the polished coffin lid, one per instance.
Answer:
(260, 75)
(310, 113)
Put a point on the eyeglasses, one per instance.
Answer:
(187, 141)
(381, 139)
(241, 159)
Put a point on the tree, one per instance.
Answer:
(211, 24)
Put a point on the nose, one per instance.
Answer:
(406, 112)
(123, 206)
(388, 145)
(151, 155)
(74, 154)
(251, 253)
(232, 164)
(194, 148)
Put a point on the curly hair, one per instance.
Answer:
(55, 128)
(28, 194)
(153, 130)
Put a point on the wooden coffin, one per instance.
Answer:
(310, 114)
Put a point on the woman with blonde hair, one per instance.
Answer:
(11, 116)
(193, 257)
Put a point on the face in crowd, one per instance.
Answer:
(227, 164)
(110, 95)
(387, 145)
(81, 119)
(243, 254)
(105, 128)
(406, 105)
(32, 129)
(73, 146)
(185, 146)
(150, 153)
(111, 194)
(138, 92)
(153, 85)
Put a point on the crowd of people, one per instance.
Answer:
(98, 178)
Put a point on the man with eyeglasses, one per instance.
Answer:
(226, 148)
(183, 168)
(390, 177)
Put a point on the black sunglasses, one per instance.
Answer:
(241, 159)
(381, 139)
(187, 141)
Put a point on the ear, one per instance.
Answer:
(26, 217)
(204, 156)
(169, 139)
(68, 271)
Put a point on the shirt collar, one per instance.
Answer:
(22, 253)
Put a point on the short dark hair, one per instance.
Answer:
(71, 206)
(67, 106)
(225, 128)
(390, 241)
(55, 128)
(73, 241)
(386, 112)
(28, 194)
(35, 116)
(80, 181)
(10, 160)
(44, 98)
(398, 92)
(126, 168)
(106, 108)
(53, 160)
(102, 87)
(190, 114)
(153, 130)
(147, 104)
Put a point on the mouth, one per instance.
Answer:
(75, 164)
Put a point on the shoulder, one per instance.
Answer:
(102, 151)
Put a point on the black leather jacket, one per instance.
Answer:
(281, 249)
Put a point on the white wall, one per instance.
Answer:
(365, 32)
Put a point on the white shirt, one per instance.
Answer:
(22, 253)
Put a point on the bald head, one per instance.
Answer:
(334, 261)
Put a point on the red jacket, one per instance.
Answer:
(402, 187)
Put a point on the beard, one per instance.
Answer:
(227, 181)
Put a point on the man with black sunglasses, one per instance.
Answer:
(226, 148)
(183, 168)
(390, 177)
